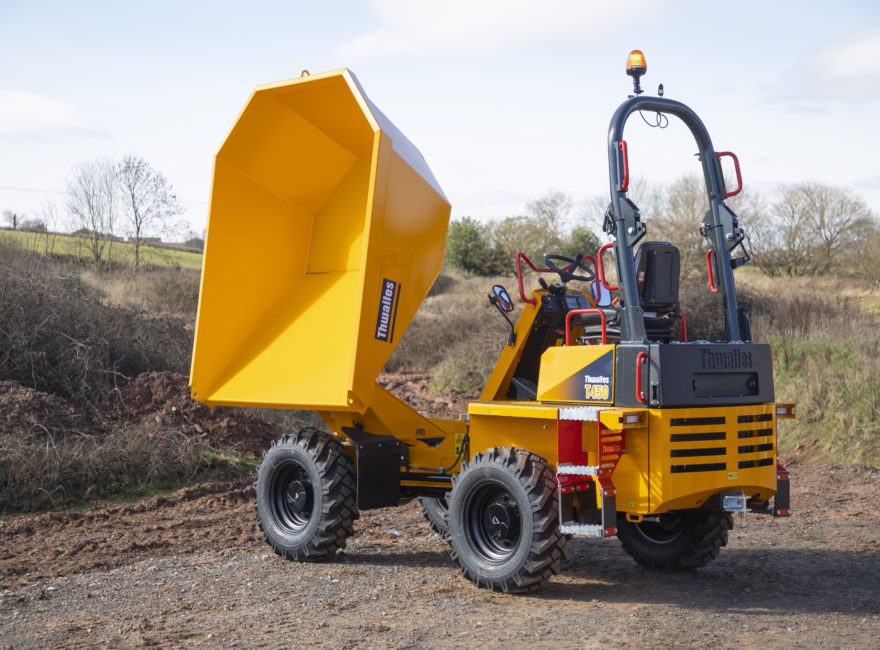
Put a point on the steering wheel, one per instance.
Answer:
(567, 275)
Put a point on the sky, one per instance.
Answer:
(506, 99)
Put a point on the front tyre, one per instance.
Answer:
(503, 520)
(679, 541)
(306, 496)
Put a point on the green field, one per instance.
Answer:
(121, 253)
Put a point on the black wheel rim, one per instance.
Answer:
(293, 497)
(493, 524)
(665, 531)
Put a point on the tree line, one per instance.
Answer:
(805, 229)
(106, 199)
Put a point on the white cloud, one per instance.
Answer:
(849, 65)
(417, 26)
(27, 114)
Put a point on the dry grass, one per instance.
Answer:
(46, 471)
(456, 335)
(155, 291)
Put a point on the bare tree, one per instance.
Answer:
(149, 203)
(678, 220)
(12, 218)
(49, 216)
(92, 204)
(811, 229)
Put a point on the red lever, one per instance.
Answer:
(600, 267)
(641, 357)
(624, 182)
(739, 178)
(682, 321)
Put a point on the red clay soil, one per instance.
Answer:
(164, 398)
(26, 412)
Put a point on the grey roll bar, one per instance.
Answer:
(720, 224)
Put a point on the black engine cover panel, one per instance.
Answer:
(709, 374)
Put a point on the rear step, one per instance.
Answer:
(608, 527)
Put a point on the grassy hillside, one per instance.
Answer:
(120, 253)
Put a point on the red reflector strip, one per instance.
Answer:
(609, 532)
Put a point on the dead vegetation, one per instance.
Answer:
(93, 399)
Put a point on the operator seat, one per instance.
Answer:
(658, 267)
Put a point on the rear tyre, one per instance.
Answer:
(680, 541)
(436, 513)
(306, 496)
(503, 520)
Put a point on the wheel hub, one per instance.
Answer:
(501, 520)
(293, 497)
(296, 496)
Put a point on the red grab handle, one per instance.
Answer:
(575, 312)
(739, 179)
(682, 320)
(641, 357)
(600, 267)
(710, 273)
(624, 181)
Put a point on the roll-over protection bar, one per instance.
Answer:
(720, 224)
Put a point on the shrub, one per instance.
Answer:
(58, 337)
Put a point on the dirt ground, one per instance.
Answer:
(189, 570)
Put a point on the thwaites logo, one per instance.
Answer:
(388, 300)
(725, 359)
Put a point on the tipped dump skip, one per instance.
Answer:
(325, 233)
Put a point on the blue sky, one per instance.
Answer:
(505, 99)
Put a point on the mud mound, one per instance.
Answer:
(414, 388)
(32, 414)
(164, 398)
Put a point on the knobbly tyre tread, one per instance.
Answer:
(548, 545)
(436, 516)
(339, 496)
(701, 542)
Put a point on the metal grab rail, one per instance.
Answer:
(576, 312)
(600, 267)
(739, 179)
(710, 273)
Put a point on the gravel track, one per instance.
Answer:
(189, 570)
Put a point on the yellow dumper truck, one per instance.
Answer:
(327, 231)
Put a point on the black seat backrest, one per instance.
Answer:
(658, 266)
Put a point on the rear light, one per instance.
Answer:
(632, 418)
(609, 532)
(785, 411)
(781, 512)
